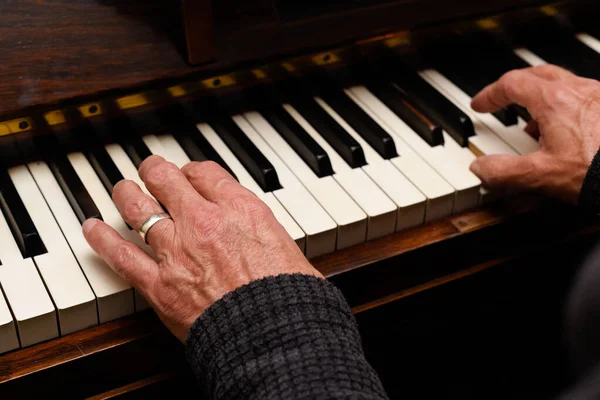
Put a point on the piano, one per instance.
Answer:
(351, 120)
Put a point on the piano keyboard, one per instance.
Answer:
(338, 166)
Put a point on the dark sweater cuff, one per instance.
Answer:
(589, 199)
(283, 337)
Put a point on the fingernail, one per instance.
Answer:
(88, 225)
(475, 167)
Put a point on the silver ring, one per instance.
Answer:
(149, 223)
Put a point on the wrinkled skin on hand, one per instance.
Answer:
(221, 237)
(566, 119)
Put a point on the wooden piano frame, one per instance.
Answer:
(137, 352)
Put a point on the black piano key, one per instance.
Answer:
(136, 149)
(452, 119)
(251, 158)
(523, 113)
(199, 149)
(398, 103)
(55, 155)
(193, 151)
(572, 55)
(493, 52)
(23, 229)
(299, 140)
(507, 115)
(85, 134)
(360, 121)
(104, 166)
(340, 140)
(554, 41)
(123, 130)
(74, 190)
(267, 100)
(195, 145)
(80, 200)
(471, 81)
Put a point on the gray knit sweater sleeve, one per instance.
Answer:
(285, 337)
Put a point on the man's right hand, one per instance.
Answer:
(566, 118)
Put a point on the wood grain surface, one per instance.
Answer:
(57, 50)
(54, 50)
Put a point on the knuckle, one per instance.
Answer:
(592, 96)
(191, 168)
(206, 222)
(548, 69)
(136, 206)
(510, 79)
(124, 258)
(210, 165)
(246, 205)
(160, 173)
(560, 94)
(204, 169)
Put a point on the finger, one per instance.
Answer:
(125, 258)
(533, 129)
(136, 207)
(552, 72)
(171, 188)
(508, 172)
(213, 182)
(519, 86)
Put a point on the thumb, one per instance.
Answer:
(506, 172)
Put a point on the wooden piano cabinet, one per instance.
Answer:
(135, 353)
(200, 30)
(260, 29)
(65, 49)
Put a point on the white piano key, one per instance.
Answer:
(26, 295)
(125, 165)
(294, 197)
(115, 296)
(248, 182)
(66, 283)
(515, 135)
(443, 160)
(589, 41)
(8, 332)
(350, 219)
(529, 57)
(29, 301)
(410, 201)
(381, 211)
(439, 194)
(285, 219)
(176, 154)
(485, 141)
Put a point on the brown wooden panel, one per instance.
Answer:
(53, 50)
(199, 26)
(259, 42)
